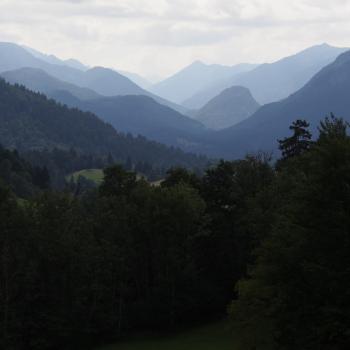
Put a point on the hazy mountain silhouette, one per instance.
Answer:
(227, 109)
(134, 114)
(275, 81)
(73, 63)
(137, 79)
(327, 92)
(38, 80)
(102, 80)
(195, 78)
(141, 115)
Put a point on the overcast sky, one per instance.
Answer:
(158, 37)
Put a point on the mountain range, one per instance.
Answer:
(327, 92)
(228, 108)
(30, 121)
(102, 80)
(137, 114)
(194, 78)
(272, 82)
(137, 79)
(229, 125)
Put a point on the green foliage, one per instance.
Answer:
(21, 177)
(78, 268)
(129, 256)
(95, 175)
(177, 176)
(117, 182)
(228, 190)
(296, 296)
(299, 142)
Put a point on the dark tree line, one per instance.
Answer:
(22, 177)
(76, 270)
(296, 295)
(127, 256)
(60, 164)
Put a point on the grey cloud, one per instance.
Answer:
(176, 31)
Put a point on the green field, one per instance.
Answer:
(95, 175)
(212, 337)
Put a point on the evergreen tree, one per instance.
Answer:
(298, 143)
(296, 296)
(117, 181)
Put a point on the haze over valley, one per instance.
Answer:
(222, 97)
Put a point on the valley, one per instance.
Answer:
(166, 165)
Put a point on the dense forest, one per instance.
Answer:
(267, 242)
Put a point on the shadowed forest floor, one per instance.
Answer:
(211, 337)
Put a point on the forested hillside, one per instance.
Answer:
(30, 121)
(104, 81)
(135, 114)
(20, 176)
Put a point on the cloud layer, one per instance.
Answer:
(160, 36)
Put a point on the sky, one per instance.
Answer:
(155, 38)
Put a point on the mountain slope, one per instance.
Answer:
(275, 81)
(29, 121)
(38, 80)
(227, 109)
(326, 92)
(195, 78)
(55, 60)
(137, 79)
(102, 80)
(141, 115)
(108, 82)
(134, 114)
(17, 175)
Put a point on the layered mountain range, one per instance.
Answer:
(30, 121)
(195, 78)
(102, 80)
(229, 110)
(327, 92)
(272, 82)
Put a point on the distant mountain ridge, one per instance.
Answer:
(30, 121)
(137, 114)
(73, 63)
(327, 92)
(195, 78)
(141, 115)
(38, 80)
(137, 79)
(274, 81)
(232, 106)
(102, 80)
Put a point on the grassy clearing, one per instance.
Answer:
(95, 175)
(211, 337)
